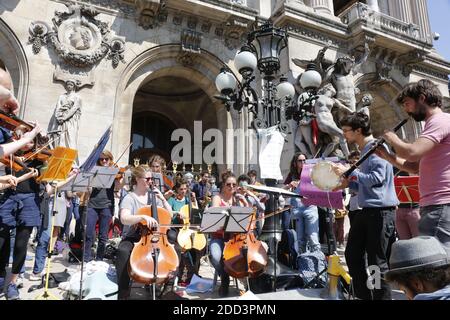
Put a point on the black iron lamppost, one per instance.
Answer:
(262, 52)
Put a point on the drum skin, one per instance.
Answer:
(323, 176)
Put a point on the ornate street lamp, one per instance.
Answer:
(262, 52)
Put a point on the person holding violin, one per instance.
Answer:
(141, 183)
(227, 197)
(101, 210)
(19, 208)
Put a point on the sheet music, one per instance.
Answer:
(271, 147)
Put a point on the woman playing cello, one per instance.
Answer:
(227, 197)
(141, 183)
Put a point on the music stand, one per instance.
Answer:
(59, 166)
(98, 177)
(274, 193)
(407, 189)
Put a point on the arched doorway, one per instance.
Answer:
(150, 135)
(161, 106)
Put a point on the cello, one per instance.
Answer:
(244, 255)
(188, 238)
(153, 259)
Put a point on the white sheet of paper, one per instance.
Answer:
(270, 149)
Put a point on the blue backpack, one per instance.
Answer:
(312, 268)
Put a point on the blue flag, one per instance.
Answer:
(91, 161)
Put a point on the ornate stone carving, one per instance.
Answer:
(177, 20)
(235, 33)
(192, 23)
(116, 54)
(148, 11)
(81, 77)
(65, 120)
(218, 31)
(320, 37)
(190, 41)
(121, 6)
(383, 64)
(77, 36)
(38, 35)
(408, 60)
(206, 27)
(187, 59)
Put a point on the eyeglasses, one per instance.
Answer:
(301, 160)
(231, 184)
(347, 130)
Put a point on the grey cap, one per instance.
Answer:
(416, 254)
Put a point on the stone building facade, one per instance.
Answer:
(148, 66)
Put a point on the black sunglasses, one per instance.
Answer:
(103, 159)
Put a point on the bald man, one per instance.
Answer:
(8, 103)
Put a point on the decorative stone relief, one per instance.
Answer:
(190, 41)
(206, 27)
(186, 59)
(235, 32)
(192, 23)
(77, 37)
(148, 12)
(408, 60)
(81, 77)
(38, 35)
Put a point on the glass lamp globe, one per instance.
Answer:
(310, 79)
(245, 61)
(225, 82)
(285, 89)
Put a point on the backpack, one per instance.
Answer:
(310, 265)
(288, 248)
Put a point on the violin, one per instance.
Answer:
(188, 238)
(19, 127)
(14, 163)
(153, 259)
(42, 155)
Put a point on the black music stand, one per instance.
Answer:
(98, 177)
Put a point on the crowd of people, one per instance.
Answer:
(409, 242)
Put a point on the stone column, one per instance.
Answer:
(373, 4)
(401, 9)
(421, 18)
(322, 6)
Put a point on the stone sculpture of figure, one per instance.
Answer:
(364, 104)
(65, 121)
(341, 73)
(80, 38)
(322, 108)
(303, 138)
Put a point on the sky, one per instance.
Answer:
(439, 13)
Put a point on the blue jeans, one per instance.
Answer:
(42, 247)
(435, 222)
(307, 227)
(216, 250)
(103, 216)
(73, 209)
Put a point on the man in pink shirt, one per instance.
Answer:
(429, 156)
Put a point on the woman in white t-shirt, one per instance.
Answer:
(141, 182)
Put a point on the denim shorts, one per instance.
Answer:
(435, 222)
(20, 209)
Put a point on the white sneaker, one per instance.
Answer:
(35, 277)
(19, 281)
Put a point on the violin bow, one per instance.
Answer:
(41, 148)
(115, 163)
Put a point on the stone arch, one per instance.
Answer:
(385, 112)
(157, 62)
(13, 56)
